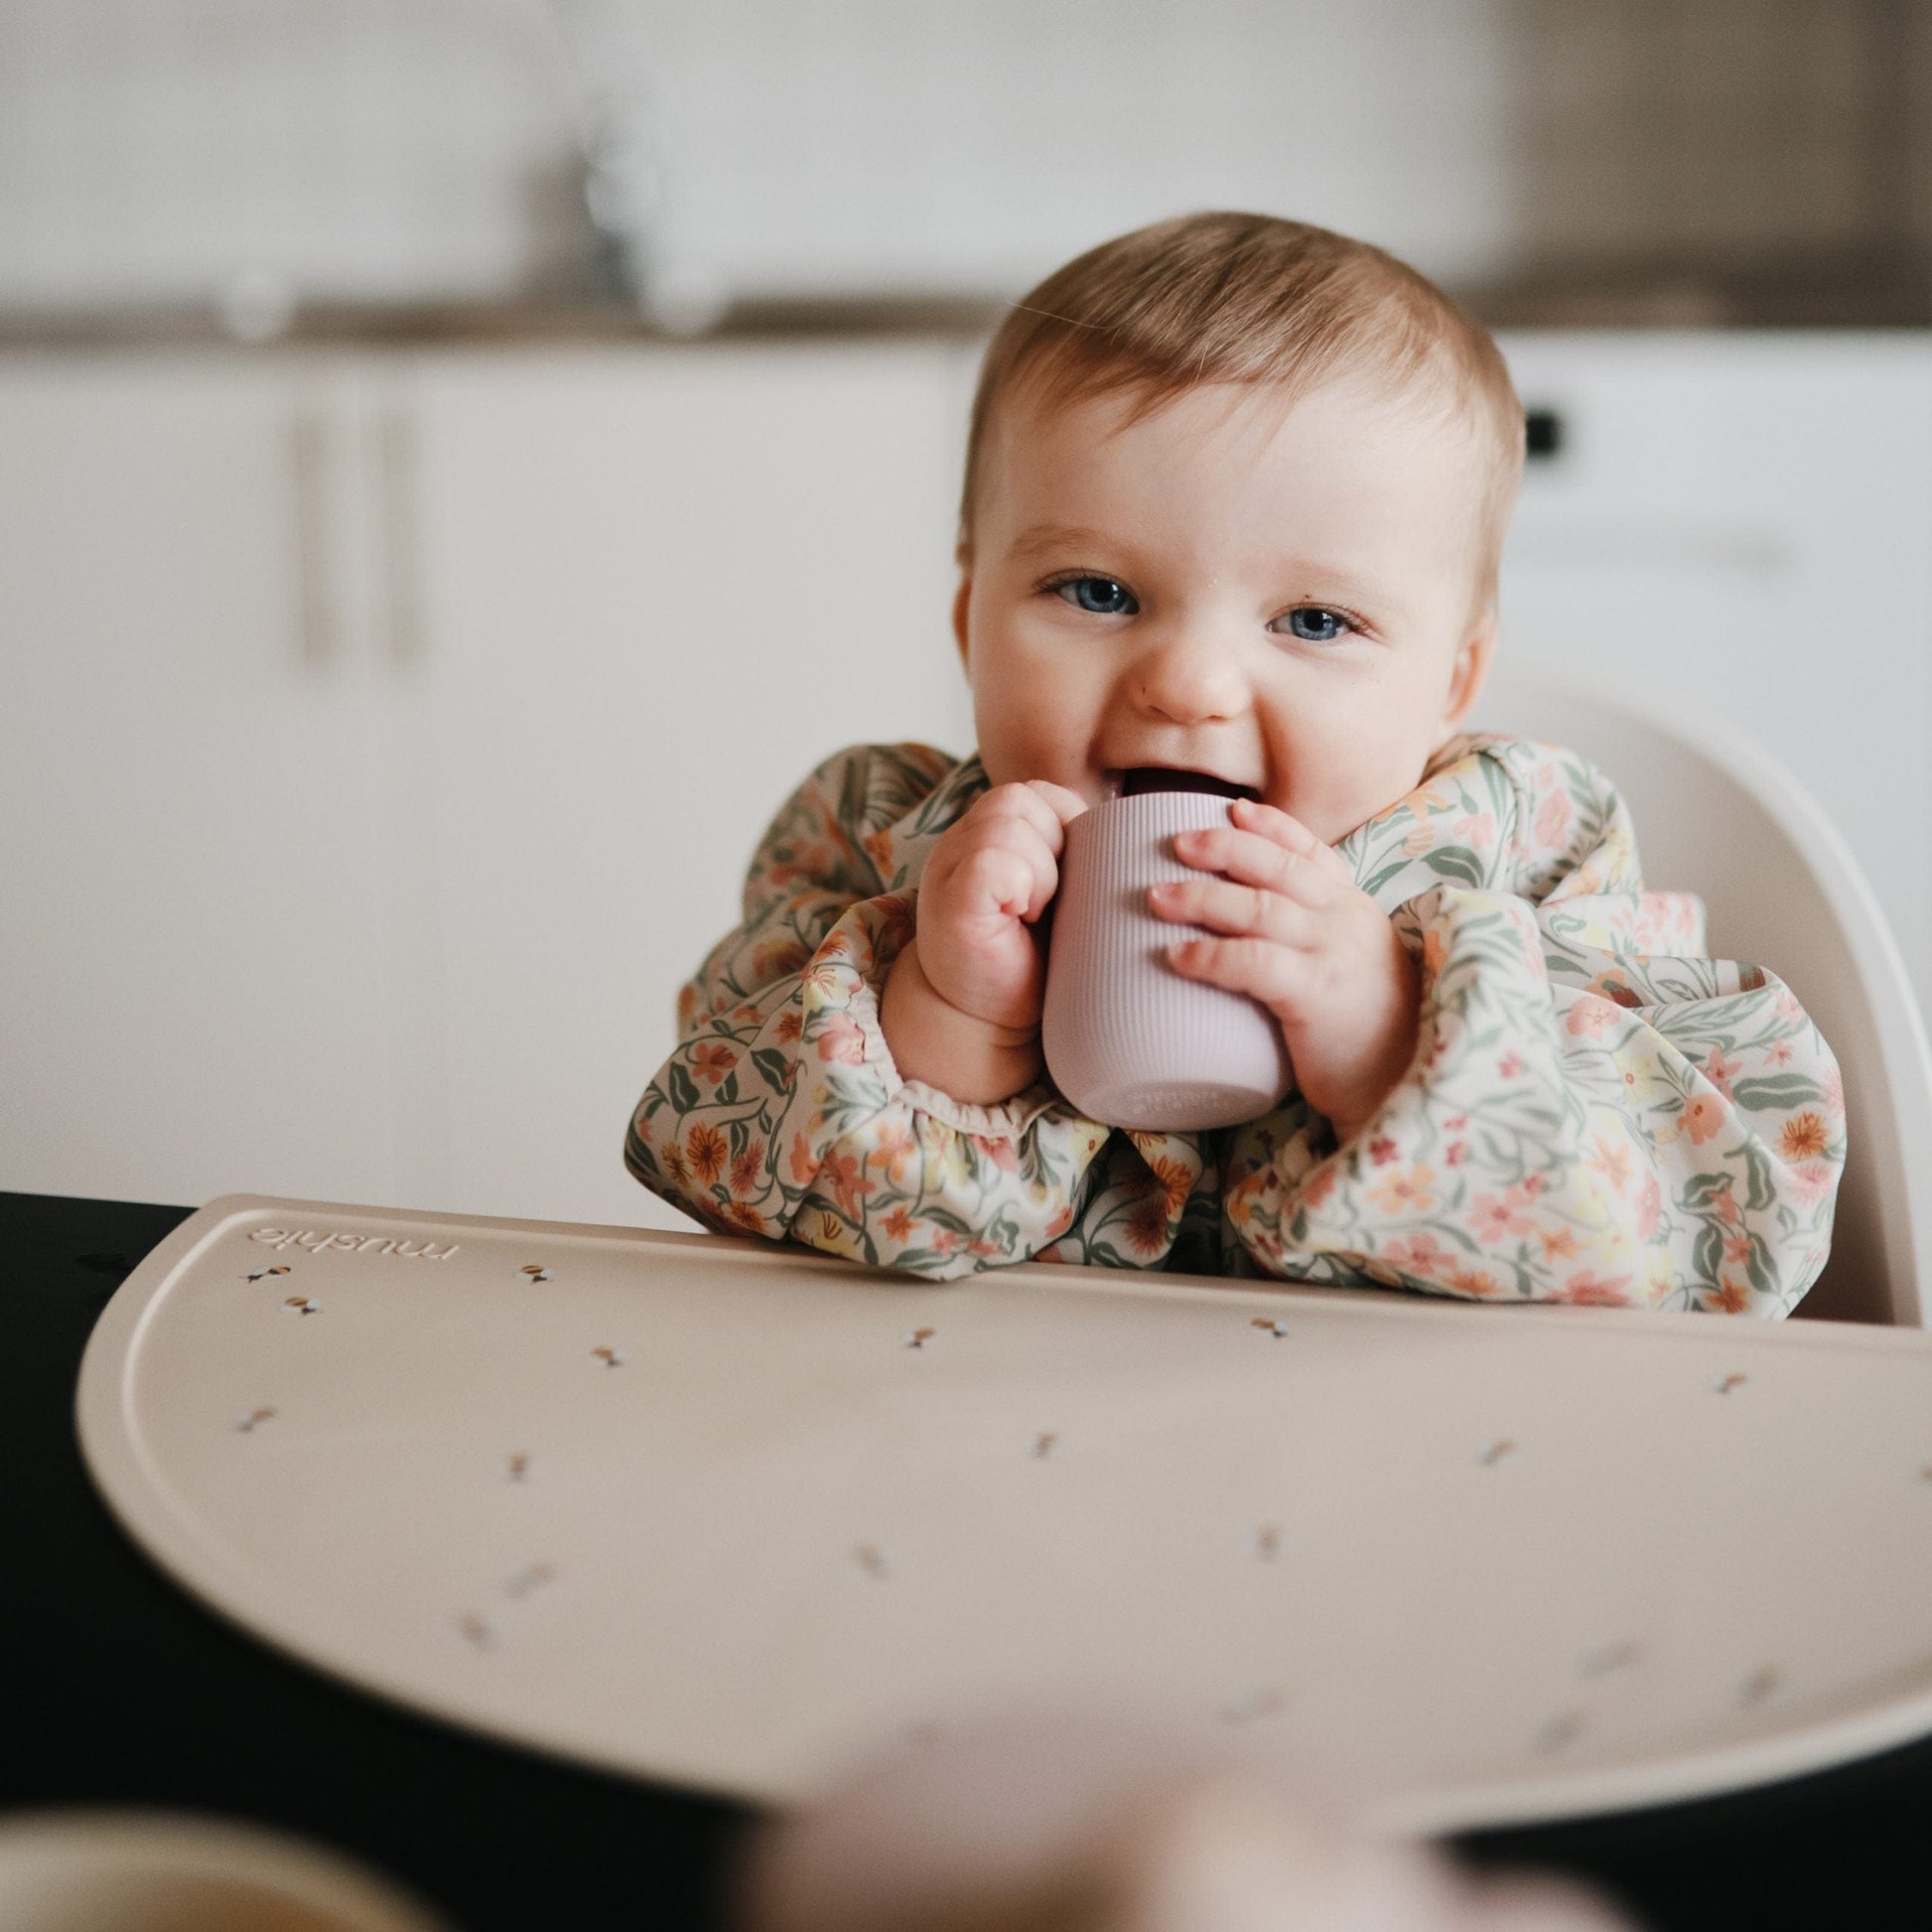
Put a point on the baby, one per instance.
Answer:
(1235, 499)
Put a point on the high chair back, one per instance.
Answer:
(1717, 816)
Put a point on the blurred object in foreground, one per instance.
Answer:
(1082, 1824)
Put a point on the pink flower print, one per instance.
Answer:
(841, 1038)
(1780, 1053)
(1593, 1290)
(1721, 1071)
(1492, 1217)
(1591, 1015)
(999, 1150)
(1650, 1207)
(1703, 1116)
(849, 1186)
(1456, 1152)
(1382, 1150)
(1552, 825)
(1831, 1092)
(1477, 829)
(1811, 1183)
(712, 1061)
(1510, 1066)
(1416, 1254)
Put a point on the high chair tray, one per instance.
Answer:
(726, 1514)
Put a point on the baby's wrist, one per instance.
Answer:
(973, 1061)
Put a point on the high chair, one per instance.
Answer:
(1717, 816)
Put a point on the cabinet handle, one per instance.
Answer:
(401, 535)
(315, 607)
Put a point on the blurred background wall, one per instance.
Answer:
(1669, 159)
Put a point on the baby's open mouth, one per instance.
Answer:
(1161, 778)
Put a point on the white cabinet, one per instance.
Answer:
(1739, 527)
(194, 903)
(385, 739)
(655, 590)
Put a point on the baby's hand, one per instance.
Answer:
(961, 1009)
(1307, 942)
(988, 881)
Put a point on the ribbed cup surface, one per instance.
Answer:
(1127, 1039)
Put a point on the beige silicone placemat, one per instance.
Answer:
(724, 1514)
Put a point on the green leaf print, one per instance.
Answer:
(1778, 1090)
(684, 1089)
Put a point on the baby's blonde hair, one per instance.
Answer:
(1224, 297)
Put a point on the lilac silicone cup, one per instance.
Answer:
(1127, 1038)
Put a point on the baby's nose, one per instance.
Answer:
(1190, 678)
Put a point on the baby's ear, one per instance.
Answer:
(961, 606)
(1472, 660)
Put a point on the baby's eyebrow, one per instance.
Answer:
(1057, 536)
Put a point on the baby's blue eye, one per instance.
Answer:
(1100, 594)
(1316, 625)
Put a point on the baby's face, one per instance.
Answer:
(1281, 601)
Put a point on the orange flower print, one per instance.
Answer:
(1611, 1159)
(789, 1026)
(825, 972)
(741, 1215)
(1175, 1181)
(1560, 1244)
(1730, 1297)
(1146, 1226)
(849, 1186)
(841, 1038)
(712, 1061)
(1724, 1204)
(899, 1224)
(707, 1148)
(674, 1168)
(774, 959)
(1319, 1185)
(896, 917)
(1552, 825)
(1805, 1137)
(896, 1146)
(747, 1166)
(1406, 1189)
(1594, 1291)
(1703, 1115)
(1472, 1280)
(1650, 1207)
